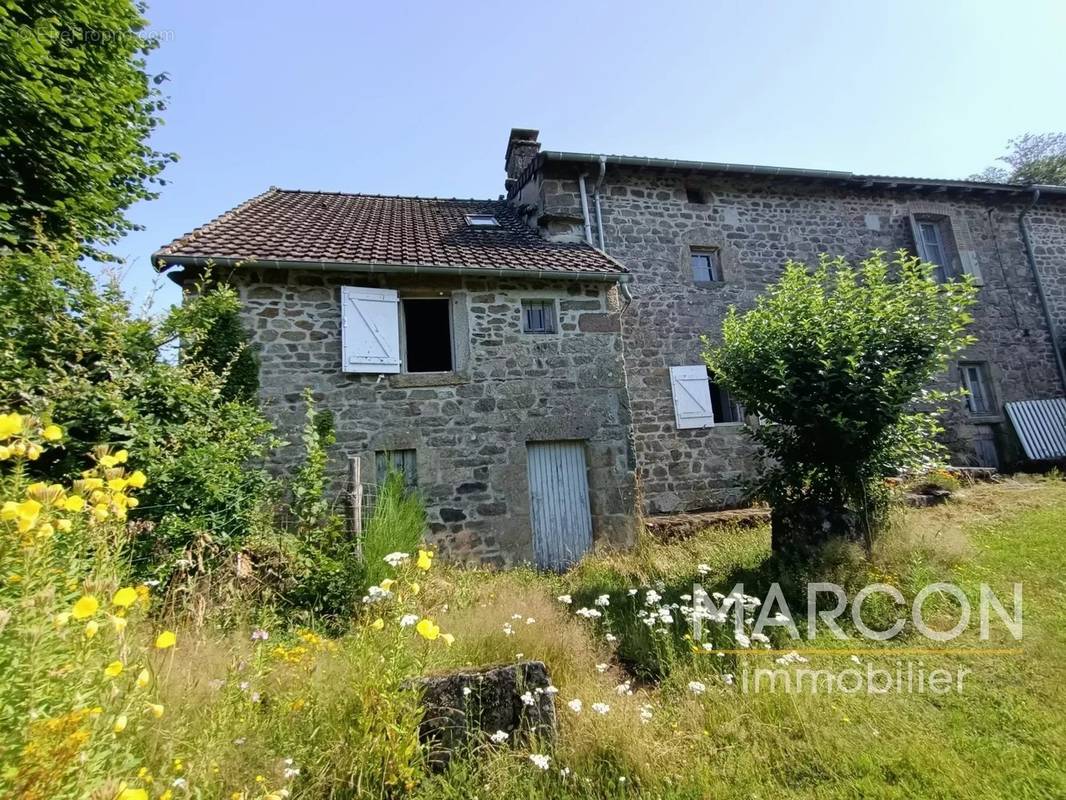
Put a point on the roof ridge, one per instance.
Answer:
(223, 217)
(391, 196)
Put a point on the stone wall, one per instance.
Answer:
(469, 428)
(757, 224)
(1047, 230)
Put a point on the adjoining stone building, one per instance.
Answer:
(532, 364)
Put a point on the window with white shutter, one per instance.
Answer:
(692, 397)
(370, 330)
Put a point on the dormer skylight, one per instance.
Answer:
(482, 221)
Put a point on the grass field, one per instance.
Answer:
(1002, 736)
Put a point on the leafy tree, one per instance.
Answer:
(78, 109)
(1033, 158)
(224, 350)
(80, 356)
(836, 363)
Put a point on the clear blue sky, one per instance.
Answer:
(418, 98)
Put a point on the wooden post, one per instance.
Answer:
(355, 493)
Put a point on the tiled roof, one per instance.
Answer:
(329, 227)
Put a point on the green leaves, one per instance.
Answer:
(835, 361)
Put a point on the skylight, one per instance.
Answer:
(482, 221)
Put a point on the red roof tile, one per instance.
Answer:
(286, 225)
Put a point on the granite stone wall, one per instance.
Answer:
(649, 225)
(470, 427)
(1047, 230)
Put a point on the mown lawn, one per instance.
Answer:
(1003, 736)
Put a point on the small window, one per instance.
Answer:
(706, 265)
(427, 329)
(934, 243)
(402, 461)
(538, 316)
(975, 381)
(482, 221)
(726, 409)
(696, 195)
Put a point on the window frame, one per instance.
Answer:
(984, 382)
(725, 402)
(714, 264)
(387, 458)
(403, 300)
(482, 220)
(551, 303)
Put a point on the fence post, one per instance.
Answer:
(355, 495)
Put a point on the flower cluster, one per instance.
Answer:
(20, 436)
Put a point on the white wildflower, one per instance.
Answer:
(610, 637)
(856, 659)
(728, 678)
(507, 629)
(499, 737)
(527, 699)
(601, 708)
(652, 597)
(645, 714)
(565, 599)
(760, 637)
(467, 691)
(395, 559)
(623, 689)
(703, 569)
(180, 783)
(530, 620)
(516, 616)
(601, 668)
(603, 600)
(549, 689)
(564, 773)
(742, 640)
(290, 772)
(588, 613)
(696, 687)
(632, 592)
(407, 620)
(575, 705)
(540, 761)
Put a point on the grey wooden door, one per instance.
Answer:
(559, 503)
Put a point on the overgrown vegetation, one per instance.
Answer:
(837, 364)
(1038, 158)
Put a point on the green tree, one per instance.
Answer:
(1033, 158)
(836, 363)
(78, 110)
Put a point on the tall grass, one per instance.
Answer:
(398, 524)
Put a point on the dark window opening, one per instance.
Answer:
(706, 266)
(538, 316)
(696, 195)
(976, 381)
(402, 461)
(427, 326)
(725, 408)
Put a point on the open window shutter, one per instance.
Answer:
(370, 330)
(970, 265)
(919, 244)
(692, 397)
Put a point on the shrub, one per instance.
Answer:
(78, 354)
(836, 362)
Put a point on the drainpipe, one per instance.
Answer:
(585, 208)
(596, 197)
(1040, 286)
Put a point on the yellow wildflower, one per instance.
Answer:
(137, 480)
(125, 597)
(119, 624)
(114, 669)
(52, 433)
(378, 624)
(9, 510)
(107, 460)
(448, 639)
(132, 502)
(425, 559)
(61, 619)
(99, 512)
(5, 452)
(387, 584)
(91, 627)
(10, 425)
(120, 723)
(121, 456)
(165, 639)
(143, 679)
(155, 709)
(28, 511)
(33, 452)
(64, 525)
(427, 629)
(85, 607)
(132, 794)
(45, 530)
(89, 484)
(116, 484)
(415, 588)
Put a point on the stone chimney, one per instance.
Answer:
(522, 148)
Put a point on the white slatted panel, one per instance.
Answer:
(370, 330)
(692, 397)
(559, 503)
(1041, 427)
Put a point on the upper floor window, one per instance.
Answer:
(427, 334)
(975, 380)
(482, 221)
(706, 265)
(538, 316)
(694, 194)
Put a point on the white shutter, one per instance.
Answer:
(970, 266)
(370, 330)
(692, 397)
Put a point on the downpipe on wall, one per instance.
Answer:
(585, 208)
(596, 199)
(1031, 258)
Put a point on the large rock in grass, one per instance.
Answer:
(464, 708)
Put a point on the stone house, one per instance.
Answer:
(532, 363)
